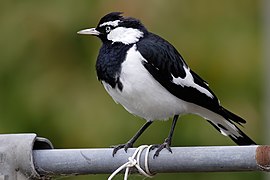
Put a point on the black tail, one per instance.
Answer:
(243, 139)
(225, 124)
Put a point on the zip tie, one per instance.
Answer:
(135, 162)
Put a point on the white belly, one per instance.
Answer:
(142, 95)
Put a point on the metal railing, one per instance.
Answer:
(26, 156)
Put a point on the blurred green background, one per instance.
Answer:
(48, 81)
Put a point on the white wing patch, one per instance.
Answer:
(189, 82)
(125, 35)
(110, 23)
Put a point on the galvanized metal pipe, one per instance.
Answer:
(183, 159)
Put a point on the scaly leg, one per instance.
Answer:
(168, 140)
(130, 143)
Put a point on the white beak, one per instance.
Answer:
(91, 31)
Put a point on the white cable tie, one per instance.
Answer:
(134, 160)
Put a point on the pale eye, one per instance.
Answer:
(107, 29)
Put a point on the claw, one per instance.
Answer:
(121, 146)
(159, 147)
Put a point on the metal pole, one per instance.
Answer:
(266, 64)
(183, 159)
(26, 156)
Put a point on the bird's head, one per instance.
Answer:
(115, 28)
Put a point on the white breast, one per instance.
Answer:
(142, 95)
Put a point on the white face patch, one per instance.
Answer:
(125, 35)
(189, 82)
(110, 23)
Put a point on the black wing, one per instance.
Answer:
(164, 63)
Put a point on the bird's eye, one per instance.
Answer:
(107, 29)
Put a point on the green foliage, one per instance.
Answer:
(48, 83)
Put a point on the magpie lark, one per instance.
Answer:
(150, 79)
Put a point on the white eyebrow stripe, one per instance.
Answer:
(110, 23)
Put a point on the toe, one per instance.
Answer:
(168, 148)
(116, 148)
(121, 146)
(160, 147)
(128, 145)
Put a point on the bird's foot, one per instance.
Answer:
(121, 146)
(159, 147)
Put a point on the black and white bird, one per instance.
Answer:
(150, 79)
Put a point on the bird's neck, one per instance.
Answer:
(108, 65)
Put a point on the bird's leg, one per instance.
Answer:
(168, 140)
(130, 143)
